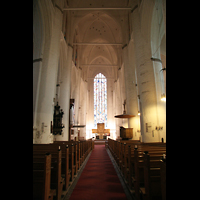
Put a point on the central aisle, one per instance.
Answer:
(99, 179)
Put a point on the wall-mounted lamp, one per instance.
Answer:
(138, 112)
(163, 97)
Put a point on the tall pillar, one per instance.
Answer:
(90, 108)
(48, 82)
(110, 113)
(119, 92)
(164, 13)
(131, 92)
(146, 83)
(64, 94)
(38, 47)
(157, 43)
(82, 106)
(161, 106)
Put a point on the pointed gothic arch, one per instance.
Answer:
(100, 99)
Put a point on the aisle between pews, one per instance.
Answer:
(57, 165)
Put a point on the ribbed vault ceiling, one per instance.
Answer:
(99, 27)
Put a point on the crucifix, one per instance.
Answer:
(100, 130)
(124, 106)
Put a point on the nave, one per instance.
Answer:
(117, 170)
(99, 179)
(94, 60)
(99, 62)
(74, 170)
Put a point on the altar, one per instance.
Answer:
(101, 131)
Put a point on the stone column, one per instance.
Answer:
(164, 13)
(38, 47)
(131, 92)
(110, 113)
(90, 108)
(65, 79)
(161, 106)
(48, 82)
(146, 83)
(82, 106)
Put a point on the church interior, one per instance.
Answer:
(99, 78)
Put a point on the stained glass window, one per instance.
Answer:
(100, 99)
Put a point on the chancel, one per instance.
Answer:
(99, 70)
(101, 131)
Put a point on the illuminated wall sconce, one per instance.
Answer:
(163, 97)
(138, 112)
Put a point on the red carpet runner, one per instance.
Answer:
(99, 179)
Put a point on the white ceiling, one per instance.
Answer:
(104, 26)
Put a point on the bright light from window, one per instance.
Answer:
(100, 99)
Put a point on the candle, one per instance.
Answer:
(135, 146)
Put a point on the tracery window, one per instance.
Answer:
(100, 99)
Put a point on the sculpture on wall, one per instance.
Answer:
(57, 120)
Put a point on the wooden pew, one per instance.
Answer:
(87, 147)
(56, 179)
(71, 160)
(127, 156)
(152, 180)
(65, 170)
(137, 169)
(81, 150)
(163, 177)
(42, 179)
(117, 150)
(78, 151)
(74, 153)
(136, 166)
(131, 163)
